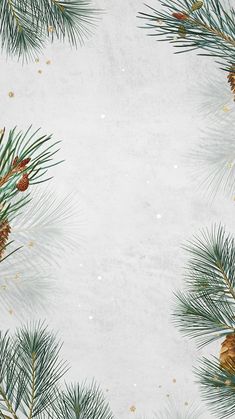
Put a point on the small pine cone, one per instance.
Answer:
(5, 230)
(227, 354)
(231, 80)
(180, 16)
(23, 183)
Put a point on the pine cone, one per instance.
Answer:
(23, 183)
(5, 230)
(231, 80)
(227, 354)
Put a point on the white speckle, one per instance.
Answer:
(123, 69)
(80, 264)
(134, 384)
(90, 317)
(99, 277)
(159, 216)
(148, 182)
(102, 116)
(175, 166)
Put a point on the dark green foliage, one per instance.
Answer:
(211, 28)
(30, 373)
(26, 25)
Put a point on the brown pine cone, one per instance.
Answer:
(227, 354)
(231, 80)
(5, 230)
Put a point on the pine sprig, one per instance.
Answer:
(26, 25)
(24, 161)
(195, 25)
(206, 311)
(30, 373)
(217, 386)
(203, 318)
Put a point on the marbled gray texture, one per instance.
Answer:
(124, 108)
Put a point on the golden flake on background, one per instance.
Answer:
(48, 62)
(132, 408)
(36, 60)
(39, 71)
(226, 108)
(50, 29)
(11, 94)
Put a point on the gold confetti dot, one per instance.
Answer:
(50, 29)
(31, 243)
(1, 131)
(132, 409)
(226, 108)
(48, 62)
(11, 94)
(174, 380)
(39, 71)
(10, 311)
(36, 60)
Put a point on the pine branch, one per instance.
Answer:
(24, 161)
(196, 25)
(218, 387)
(30, 374)
(26, 25)
(206, 310)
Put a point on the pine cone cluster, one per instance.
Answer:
(5, 230)
(227, 354)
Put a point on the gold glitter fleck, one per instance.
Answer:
(39, 71)
(226, 108)
(31, 243)
(174, 380)
(50, 29)
(48, 62)
(11, 94)
(132, 409)
(10, 311)
(1, 131)
(36, 60)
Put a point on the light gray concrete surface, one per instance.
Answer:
(128, 112)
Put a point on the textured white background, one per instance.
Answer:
(126, 110)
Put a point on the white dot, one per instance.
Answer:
(159, 216)
(90, 317)
(123, 69)
(102, 116)
(148, 182)
(99, 277)
(134, 384)
(81, 264)
(175, 166)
